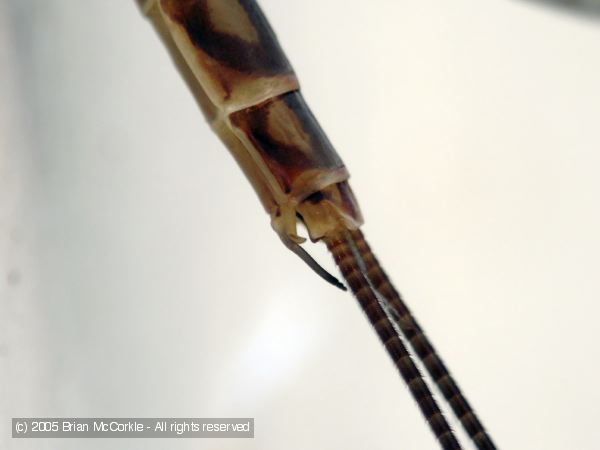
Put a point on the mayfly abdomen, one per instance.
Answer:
(248, 92)
(250, 95)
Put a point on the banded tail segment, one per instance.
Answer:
(422, 346)
(346, 255)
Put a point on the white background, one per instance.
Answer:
(140, 276)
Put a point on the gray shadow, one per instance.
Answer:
(583, 8)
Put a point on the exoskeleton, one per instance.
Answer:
(233, 64)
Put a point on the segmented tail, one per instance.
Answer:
(348, 257)
(421, 345)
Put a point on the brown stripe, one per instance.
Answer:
(260, 56)
(288, 138)
(423, 347)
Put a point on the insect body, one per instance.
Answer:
(248, 92)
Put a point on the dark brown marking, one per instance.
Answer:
(264, 57)
(288, 137)
(315, 198)
(208, 108)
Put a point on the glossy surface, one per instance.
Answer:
(291, 143)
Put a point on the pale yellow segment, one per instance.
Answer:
(248, 165)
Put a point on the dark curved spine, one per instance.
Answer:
(345, 254)
(422, 347)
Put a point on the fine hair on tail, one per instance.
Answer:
(347, 256)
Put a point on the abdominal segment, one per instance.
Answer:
(290, 142)
(231, 48)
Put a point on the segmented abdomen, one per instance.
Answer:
(254, 101)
